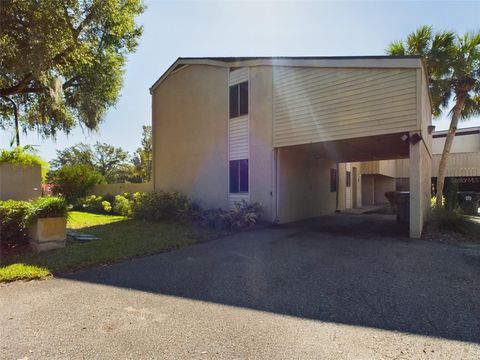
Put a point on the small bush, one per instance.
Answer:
(161, 206)
(45, 207)
(122, 206)
(452, 220)
(14, 218)
(96, 204)
(74, 182)
(110, 198)
(107, 207)
(245, 215)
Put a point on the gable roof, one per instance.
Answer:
(381, 61)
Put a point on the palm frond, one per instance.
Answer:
(418, 43)
(396, 48)
(471, 107)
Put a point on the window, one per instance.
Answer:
(333, 180)
(238, 176)
(349, 179)
(238, 100)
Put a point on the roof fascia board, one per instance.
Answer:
(395, 63)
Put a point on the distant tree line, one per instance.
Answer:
(77, 168)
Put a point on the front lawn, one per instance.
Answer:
(121, 239)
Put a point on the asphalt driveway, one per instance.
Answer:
(343, 286)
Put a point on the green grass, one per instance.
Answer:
(121, 239)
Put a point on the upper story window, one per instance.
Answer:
(239, 100)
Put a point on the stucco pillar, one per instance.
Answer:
(420, 165)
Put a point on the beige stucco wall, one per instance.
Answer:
(120, 188)
(20, 182)
(461, 144)
(190, 118)
(374, 188)
(420, 187)
(304, 185)
(262, 162)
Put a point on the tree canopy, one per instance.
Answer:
(111, 162)
(142, 158)
(453, 64)
(62, 61)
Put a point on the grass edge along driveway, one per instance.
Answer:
(121, 239)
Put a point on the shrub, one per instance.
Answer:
(451, 220)
(110, 198)
(21, 156)
(245, 215)
(14, 218)
(96, 204)
(451, 195)
(158, 206)
(122, 205)
(73, 182)
(107, 207)
(45, 207)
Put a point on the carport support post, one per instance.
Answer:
(416, 191)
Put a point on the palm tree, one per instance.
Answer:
(453, 65)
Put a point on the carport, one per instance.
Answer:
(327, 121)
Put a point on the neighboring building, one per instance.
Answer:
(463, 167)
(19, 182)
(290, 133)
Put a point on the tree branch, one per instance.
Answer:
(22, 86)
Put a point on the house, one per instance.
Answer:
(463, 164)
(290, 132)
(463, 167)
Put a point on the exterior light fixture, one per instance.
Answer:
(431, 129)
(415, 138)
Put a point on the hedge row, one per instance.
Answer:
(173, 206)
(17, 216)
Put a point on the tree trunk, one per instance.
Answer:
(456, 114)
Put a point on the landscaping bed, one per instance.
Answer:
(120, 239)
(465, 230)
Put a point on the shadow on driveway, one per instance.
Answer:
(345, 274)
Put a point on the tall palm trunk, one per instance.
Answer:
(456, 114)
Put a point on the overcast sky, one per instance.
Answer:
(295, 28)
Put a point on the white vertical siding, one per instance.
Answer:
(348, 189)
(323, 104)
(239, 133)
